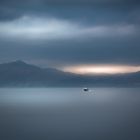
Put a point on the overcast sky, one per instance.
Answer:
(58, 33)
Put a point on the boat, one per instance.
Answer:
(85, 89)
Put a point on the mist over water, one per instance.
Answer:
(69, 114)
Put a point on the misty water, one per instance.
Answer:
(69, 114)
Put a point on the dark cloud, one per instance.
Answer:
(10, 9)
(15, 2)
(77, 52)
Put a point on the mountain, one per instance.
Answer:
(19, 73)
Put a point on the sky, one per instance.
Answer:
(68, 34)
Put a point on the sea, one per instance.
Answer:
(69, 114)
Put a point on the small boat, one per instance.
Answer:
(85, 89)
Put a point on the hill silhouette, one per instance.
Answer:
(21, 74)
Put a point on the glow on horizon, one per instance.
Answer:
(101, 69)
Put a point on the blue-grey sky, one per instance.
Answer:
(62, 33)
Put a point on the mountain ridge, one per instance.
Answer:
(22, 74)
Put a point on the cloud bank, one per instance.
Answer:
(70, 32)
(54, 29)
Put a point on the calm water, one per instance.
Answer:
(69, 114)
